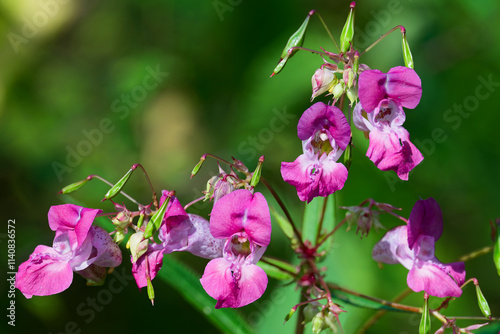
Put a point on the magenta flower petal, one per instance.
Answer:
(321, 116)
(432, 279)
(425, 219)
(313, 178)
(222, 284)
(393, 151)
(457, 271)
(175, 212)
(74, 219)
(401, 84)
(142, 269)
(371, 88)
(404, 85)
(45, 273)
(242, 211)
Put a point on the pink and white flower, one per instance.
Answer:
(412, 245)
(325, 134)
(242, 220)
(78, 246)
(380, 112)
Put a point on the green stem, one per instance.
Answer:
(401, 307)
(372, 320)
(327, 30)
(477, 253)
(94, 176)
(381, 38)
(285, 210)
(321, 219)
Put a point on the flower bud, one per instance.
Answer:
(348, 30)
(408, 58)
(482, 302)
(425, 322)
(256, 174)
(295, 40)
(198, 165)
(138, 245)
(338, 90)
(318, 323)
(309, 312)
(349, 76)
(73, 187)
(352, 94)
(119, 185)
(322, 81)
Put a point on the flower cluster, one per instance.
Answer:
(326, 133)
(234, 239)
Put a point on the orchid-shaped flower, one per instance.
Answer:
(242, 220)
(179, 231)
(412, 245)
(325, 134)
(78, 246)
(380, 112)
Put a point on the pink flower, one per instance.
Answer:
(382, 97)
(413, 246)
(390, 146)
(241, 219)
(77, 246)
(178, 232)
(325, 134)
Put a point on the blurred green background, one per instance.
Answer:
(92, 87)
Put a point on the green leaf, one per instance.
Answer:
(283, 223)
(187, 283)
(273, 271)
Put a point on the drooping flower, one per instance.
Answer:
(390, 147)
(325, 134)
(412, 245)
(242, 220)
(322, 81)
(179, 231)
(77, 246)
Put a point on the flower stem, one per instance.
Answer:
(381, 38)
(94, 176)
(373, 319)
(285, 210)
(476, 253)
(327, 30)
(401, 307)
(155, 199)
(321, 219)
